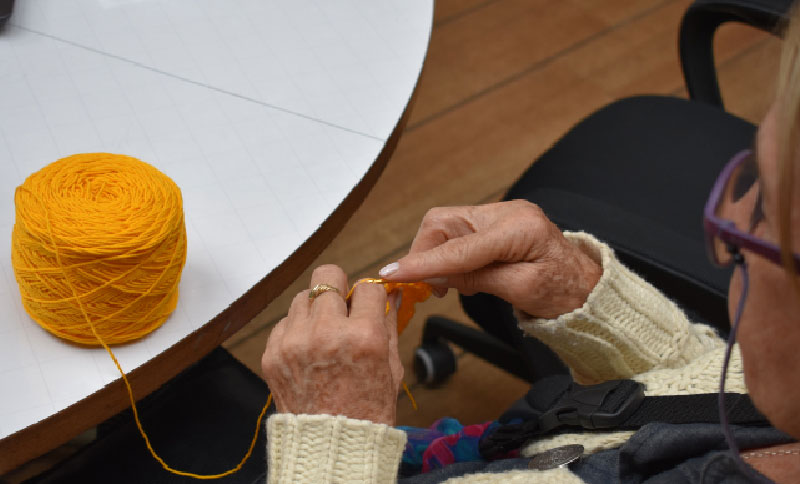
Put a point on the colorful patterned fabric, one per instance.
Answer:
(445, 442)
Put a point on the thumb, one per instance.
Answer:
(455, 256)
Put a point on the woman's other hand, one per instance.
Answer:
(509, 249)
(324, 358)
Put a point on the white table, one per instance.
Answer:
(274, 117)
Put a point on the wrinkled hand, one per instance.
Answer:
(509, 249)
(324, 359)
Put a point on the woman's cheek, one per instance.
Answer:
(770, 341)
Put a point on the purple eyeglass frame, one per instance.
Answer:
(726, 231)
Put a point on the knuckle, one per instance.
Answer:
(370, 341)
(267, 362)
(279, 328)
(526, 208)
(427, 224)
(370, 292)
(434, 216)
(537, 221)
(524, 204)
(326, 270)
(531, 210)
(433, 212)
(292, 347)
(270, 368)
(301, 297)
(270, 357)
(274, 338)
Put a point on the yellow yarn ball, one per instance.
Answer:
(99, 240)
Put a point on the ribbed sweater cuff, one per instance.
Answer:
(625, 327)
(324, 448)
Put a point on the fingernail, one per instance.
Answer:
(436, 281)
(389, 269)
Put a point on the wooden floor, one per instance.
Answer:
(502, 81)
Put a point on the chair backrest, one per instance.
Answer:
(696, 38)
(636, 174)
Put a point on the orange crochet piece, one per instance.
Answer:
(413, 293)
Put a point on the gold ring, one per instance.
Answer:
(319, 289)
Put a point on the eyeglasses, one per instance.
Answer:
(734, 210)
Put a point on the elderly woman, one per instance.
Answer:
(335, 372)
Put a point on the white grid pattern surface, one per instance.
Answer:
(265, 112)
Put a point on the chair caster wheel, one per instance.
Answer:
(434, 363)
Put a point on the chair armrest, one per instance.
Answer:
(696, 37)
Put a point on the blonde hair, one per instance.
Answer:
(788, 136)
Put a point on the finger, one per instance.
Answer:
(270, 358)
(456, 256)
(330, 302)
(518, 284)
(492, 279)
(394, 300)
(273, 364)
(277, 332)
(368, 302)
(440, 225)
(395, 364)
(299, 309)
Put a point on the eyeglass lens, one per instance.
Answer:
(740, 203)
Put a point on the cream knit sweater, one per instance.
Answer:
(626, 329)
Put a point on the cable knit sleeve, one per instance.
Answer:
(323, 448)
(625, 328)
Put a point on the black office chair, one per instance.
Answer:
(635, 174)
(6, 6)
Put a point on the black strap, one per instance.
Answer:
(685, 409)
(555, 404)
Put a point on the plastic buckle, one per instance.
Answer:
(580, 406)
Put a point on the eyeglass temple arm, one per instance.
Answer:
(696, 38)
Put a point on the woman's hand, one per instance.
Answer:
(509, 249)
(325, 359)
